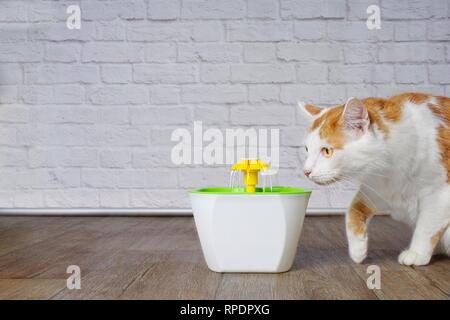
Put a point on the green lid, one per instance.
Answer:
(259, 191)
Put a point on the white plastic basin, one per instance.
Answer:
(249, 232)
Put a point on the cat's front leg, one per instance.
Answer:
(356, 222)
(430, 226)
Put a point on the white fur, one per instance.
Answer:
(403, 171)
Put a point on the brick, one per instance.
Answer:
(8, 136)
(147, 178)
(310, 30)
(55, 31)
(259, 31)
(64, 114)
(293, 136)
(116, 73)
(357, 9)
(382, 73)
(322, 94)
(263, 93)
(439, 30)
(407, 9)
(98, 178)
(61, 73)
(6, 199)
(163, 9)
(158, 32)
(214, 94)
(361, 90)
(49, 178)
(197, 178)
(63, 157)
(45, 11)
(21, 52)
(51, 135)
(56, 94)
(312, 73)
(62, 52)
(215, 73)
(360, 53)
(10, 74)
(270, 73)
(114, 115)
(410, 74)
(439, 74)
(115, 158)
(28, 199)
(160, 115)
(159, 199)
(308, 52)
(259, 52)
(211, 115)
(303, 9)
(356, 31)
(160, 52)
(118, 94)
(262, 9)
(13, 157)
(267, 115)
(112, 52)
(115, 136)
(207, 31)
(164, 94)
(155, 157)
(410, 31)
(213, 9)
(167, 73)
(350, 74)
(109, 30)
(8, 94)
(411, 52)
(13, 11)
(209, 52)
(14, 114)
(13, 32)
(125, 9)
(114, 199)
(78, 198)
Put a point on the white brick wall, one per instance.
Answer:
(86, 115)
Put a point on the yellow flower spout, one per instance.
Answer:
(251, 168)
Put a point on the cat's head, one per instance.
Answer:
(340, 143)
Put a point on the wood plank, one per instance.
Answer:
(161, 258)
(30, 288)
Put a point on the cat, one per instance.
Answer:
(398, 151)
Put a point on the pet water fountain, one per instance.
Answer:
(249, 229)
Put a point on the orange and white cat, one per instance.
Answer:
(398, 151)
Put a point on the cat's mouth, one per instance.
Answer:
(324, 180)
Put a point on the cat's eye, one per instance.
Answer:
(306, 148)
(327, 152)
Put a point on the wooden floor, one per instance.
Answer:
(160, 258)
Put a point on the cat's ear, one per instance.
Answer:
(356, 116)
(310, 111)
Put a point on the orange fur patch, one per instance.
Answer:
(312, 109)
(442, 110)
(358, 215)
(437, 236)
(380, 111)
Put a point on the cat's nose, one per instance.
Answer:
(307, 172)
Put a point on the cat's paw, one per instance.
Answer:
(358, 250)
(412, 258)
